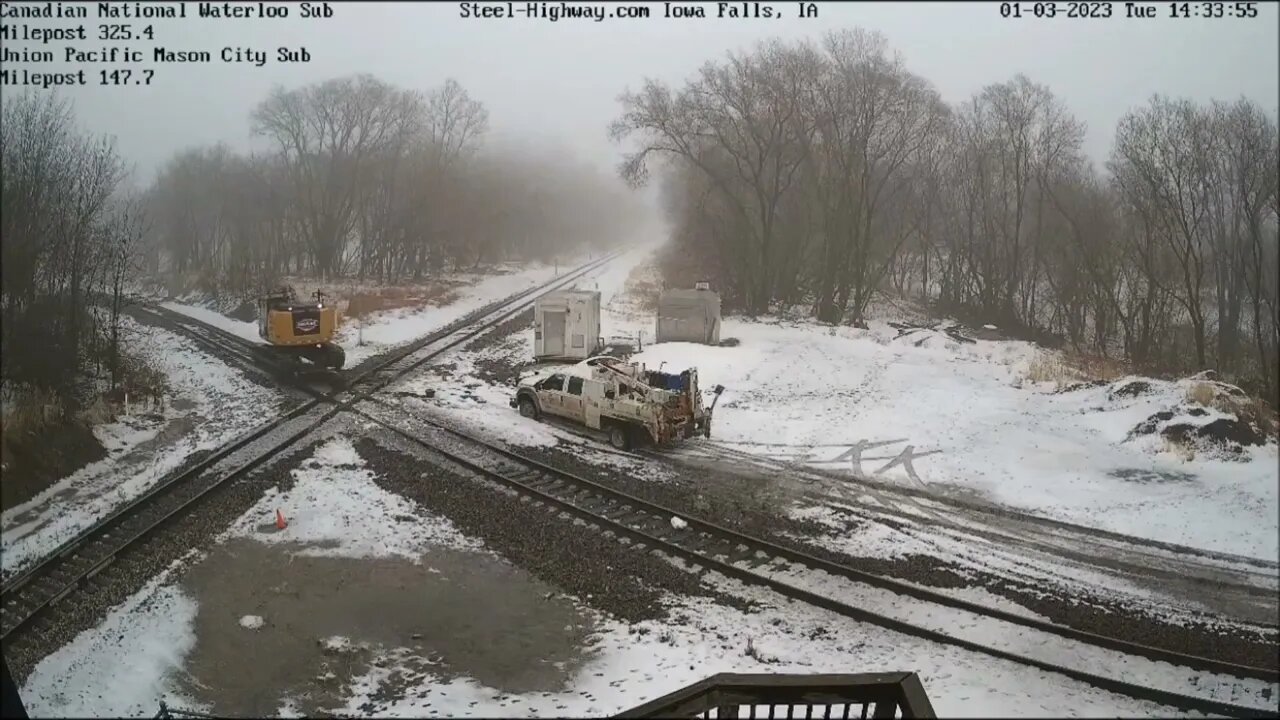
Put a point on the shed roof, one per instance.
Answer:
(682, 293)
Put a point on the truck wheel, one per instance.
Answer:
(528, 409)
(619, 437)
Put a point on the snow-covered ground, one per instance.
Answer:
(930, 412)
(809, 393)
(335, 508)
(210, 405)
(245, 330)
(386, 330)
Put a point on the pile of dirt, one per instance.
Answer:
(1073, 387)
(34, 461)
(1132, 388)
(1227, 433)
(1224, 437)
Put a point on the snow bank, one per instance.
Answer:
(335, 509)
(124, 666)
(222, 403)
(810, 392)
(245, 330)
(387, 330)
(632, 664)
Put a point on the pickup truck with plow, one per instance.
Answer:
(630, 403)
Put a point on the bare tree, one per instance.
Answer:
(56, 189)
(1168, 259)
(1161, 166)
(875, 125)
(123, 234)
(741, 123)
(328, 135)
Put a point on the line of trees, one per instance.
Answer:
(70, 237)
(818, 174)
(362, 180)
(375, 182)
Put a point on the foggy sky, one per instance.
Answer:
(557, 83)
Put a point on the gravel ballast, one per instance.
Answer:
(721, 497)
(602, 573)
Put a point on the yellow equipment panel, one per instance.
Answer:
(302, 327)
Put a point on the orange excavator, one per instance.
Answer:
(302, 330)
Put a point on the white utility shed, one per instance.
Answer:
(689, 316)
(566, 325)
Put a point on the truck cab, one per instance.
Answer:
(565, 395)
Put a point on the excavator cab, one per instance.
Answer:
(303, 330)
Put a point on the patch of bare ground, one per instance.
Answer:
(44, 439)
(33, 461)
(500, 368)
(361, 303)
(319, 623)
(1071, 370)
(501, 332)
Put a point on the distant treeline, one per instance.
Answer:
(819, 174)
(363, 180)
(375, 182)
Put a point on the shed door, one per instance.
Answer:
(553, 333)
(681, 329)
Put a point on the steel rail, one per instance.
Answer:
(540, 480)
(72, 564)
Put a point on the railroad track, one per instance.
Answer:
(646, 526)
(723, 450)
(254, 358)
(1251, 579)
(29, 595)
(1100, 661)
(1250, 584)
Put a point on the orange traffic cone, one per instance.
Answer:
(280, 521)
